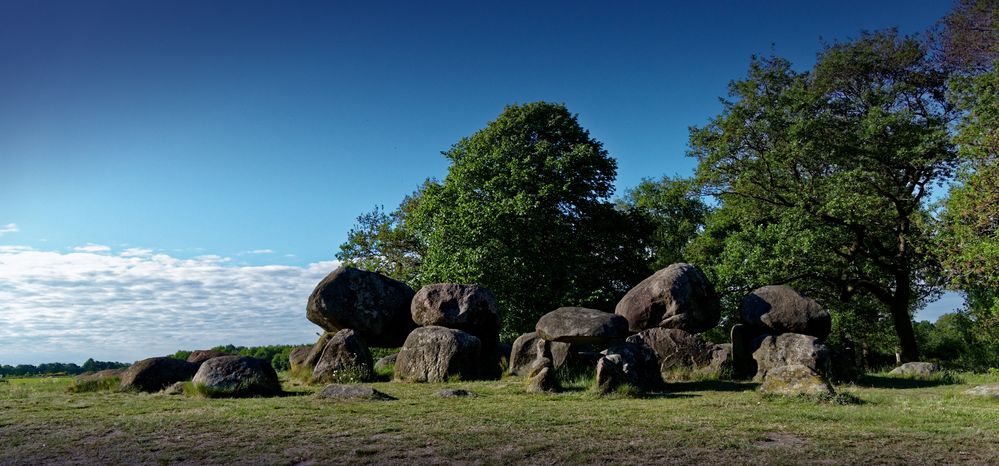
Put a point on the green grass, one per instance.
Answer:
(883, 420)
(93, 385)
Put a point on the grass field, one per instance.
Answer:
(891, 421)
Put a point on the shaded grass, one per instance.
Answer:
(696, 422)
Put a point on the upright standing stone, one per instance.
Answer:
(345, 359)
(435, 354)
(470, 308)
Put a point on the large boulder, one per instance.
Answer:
(200, 356)
(916, 369)
(345, 359)
(675, 348)
(794, 380)
(376, 306)
(470, 308)
(791, 349)
(679, 296)
(435, 354)
(237, 376)
(155, 374)
(581, 325)
(780, 309)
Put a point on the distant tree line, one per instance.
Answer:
(822, 179)
(52, 368)
(277, 355)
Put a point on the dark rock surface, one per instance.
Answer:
(154, 374)
(435, 354)
(237, 376)
(345, 359)
(342, 392)
(679, 296)
(375, 306)
(581, 325)
(780, 309)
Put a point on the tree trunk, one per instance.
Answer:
(899, 308)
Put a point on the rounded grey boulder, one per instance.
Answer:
(435, 354)
(155, 374)
(781, 309)
(679, 296)
(237, 376)
(795, 380)
(376, 306)
(792, 349)
(581, 325)
(916, 369)
(345, 359)
(470, 308)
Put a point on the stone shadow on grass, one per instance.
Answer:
(713, 386)
(878, 381)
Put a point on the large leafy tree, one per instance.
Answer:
(823, 177)
(969, 246)
(524, 210)
(671, 215)
(385, 242)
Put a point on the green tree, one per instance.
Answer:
(525, 211)
(385, 242)
(671, 214)
(823, 177)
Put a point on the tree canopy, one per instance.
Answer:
(524, 210)
(824, 176)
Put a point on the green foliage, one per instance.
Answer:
(57, 368)
(277, 355)
(386, 243)
(823, 176)
(524, 211)
(671, 215)
(181, 355)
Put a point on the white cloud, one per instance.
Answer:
(92, 248)
(9, 228)
(136, 252)
(258, 251)
(71, 306)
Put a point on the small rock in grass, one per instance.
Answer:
(916, 369)
(456, 393)
(795, 380)
(990, 390)
(344, 392)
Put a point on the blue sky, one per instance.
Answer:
(251, 134)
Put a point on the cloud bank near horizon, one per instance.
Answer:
(133, 304)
